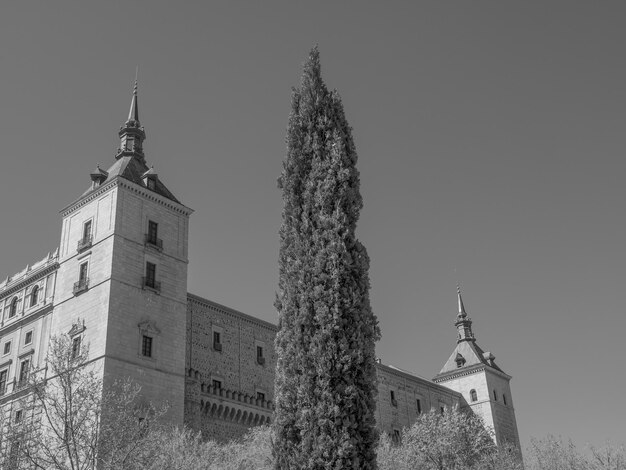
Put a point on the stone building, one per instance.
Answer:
(118, 282)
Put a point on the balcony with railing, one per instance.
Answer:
(81, 285)
(151, 284)
(153, 242)
(84, 243)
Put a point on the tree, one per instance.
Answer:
(67, 420)
(325, 377)
(552, 453)
(450, 440)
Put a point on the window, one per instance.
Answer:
(28, 338)
(419, 406)
(146, 346)
(83, 280)
(24, 371)
(460, 360)
(495, 396)
(85, 241)
(7, 347)
(217, 384)
(34, 296)
(392, 395)
(152, 237)
(87, 230)
(150, 280)
(13, 308)
(396, 436)
(504, 399)
(3, 381)
(217, 344)
(260, 396)
(153, 229)
(14, 454)
(473, 395)
(76, 347)
(18, 416)
(259, 355)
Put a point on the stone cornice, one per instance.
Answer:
(152, 196)
(28, 318)
(231, 312)
(80, 202)
(28, 279)
(462, 372)
(119, 181)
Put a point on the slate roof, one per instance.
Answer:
(133, 169)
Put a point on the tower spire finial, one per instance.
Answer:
(131, 133)
(133, 114)
(462, 312)
(463, 322)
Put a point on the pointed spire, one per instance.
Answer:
(462, 313)
(133, 114)
(131, 133)
(463, 322)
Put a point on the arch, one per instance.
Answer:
(244, 417)
(34, 296)
(473, 395)
(13, 307)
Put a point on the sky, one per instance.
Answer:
(490, 138)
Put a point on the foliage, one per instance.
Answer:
(325, 377)
(185, 450)
(450, 440)
(553, 453)
(69, 421)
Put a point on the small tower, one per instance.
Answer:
(484, 386)
(131, 133)
(122, 279)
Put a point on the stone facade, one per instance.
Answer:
(118, 281)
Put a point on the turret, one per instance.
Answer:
(131, 133)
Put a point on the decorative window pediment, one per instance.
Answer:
(77, 328)
(149, 326)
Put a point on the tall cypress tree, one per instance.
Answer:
(326, 373)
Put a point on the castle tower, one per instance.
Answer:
(122, 278)
(484, 386)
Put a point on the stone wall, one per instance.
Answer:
(397, 404)
(245, 393)
(228, 411)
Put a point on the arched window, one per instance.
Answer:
(495, 395)
(504, 399)
(13, 307)
(473, 395)
(34, 296)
